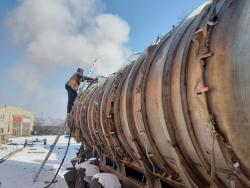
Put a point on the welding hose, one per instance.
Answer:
(60, 163)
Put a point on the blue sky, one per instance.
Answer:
(148, 19)
(145, 20)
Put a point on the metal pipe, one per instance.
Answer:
(179, 114)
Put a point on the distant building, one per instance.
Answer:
(15, 121)
(48, 130)
(47, 126)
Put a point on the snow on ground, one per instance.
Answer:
(4, 150)
(19, 170)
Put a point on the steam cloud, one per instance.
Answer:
(65, 33)
(61, 34)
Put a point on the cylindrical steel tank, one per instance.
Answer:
(179, 115)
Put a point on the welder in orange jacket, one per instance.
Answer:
(72, 86)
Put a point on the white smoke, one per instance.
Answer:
(65, 33)
(58, 36)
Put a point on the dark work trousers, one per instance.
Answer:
(71, 97)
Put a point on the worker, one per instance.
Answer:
(72, 86)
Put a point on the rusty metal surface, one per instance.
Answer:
(180, 113)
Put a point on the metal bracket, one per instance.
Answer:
(204, 56)
(200, 89)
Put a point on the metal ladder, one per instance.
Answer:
(51, 149)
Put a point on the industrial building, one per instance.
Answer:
(15, 121)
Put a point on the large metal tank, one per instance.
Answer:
(178, 116)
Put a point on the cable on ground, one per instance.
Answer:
(60, 163)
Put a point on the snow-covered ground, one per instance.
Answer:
(19, 170)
